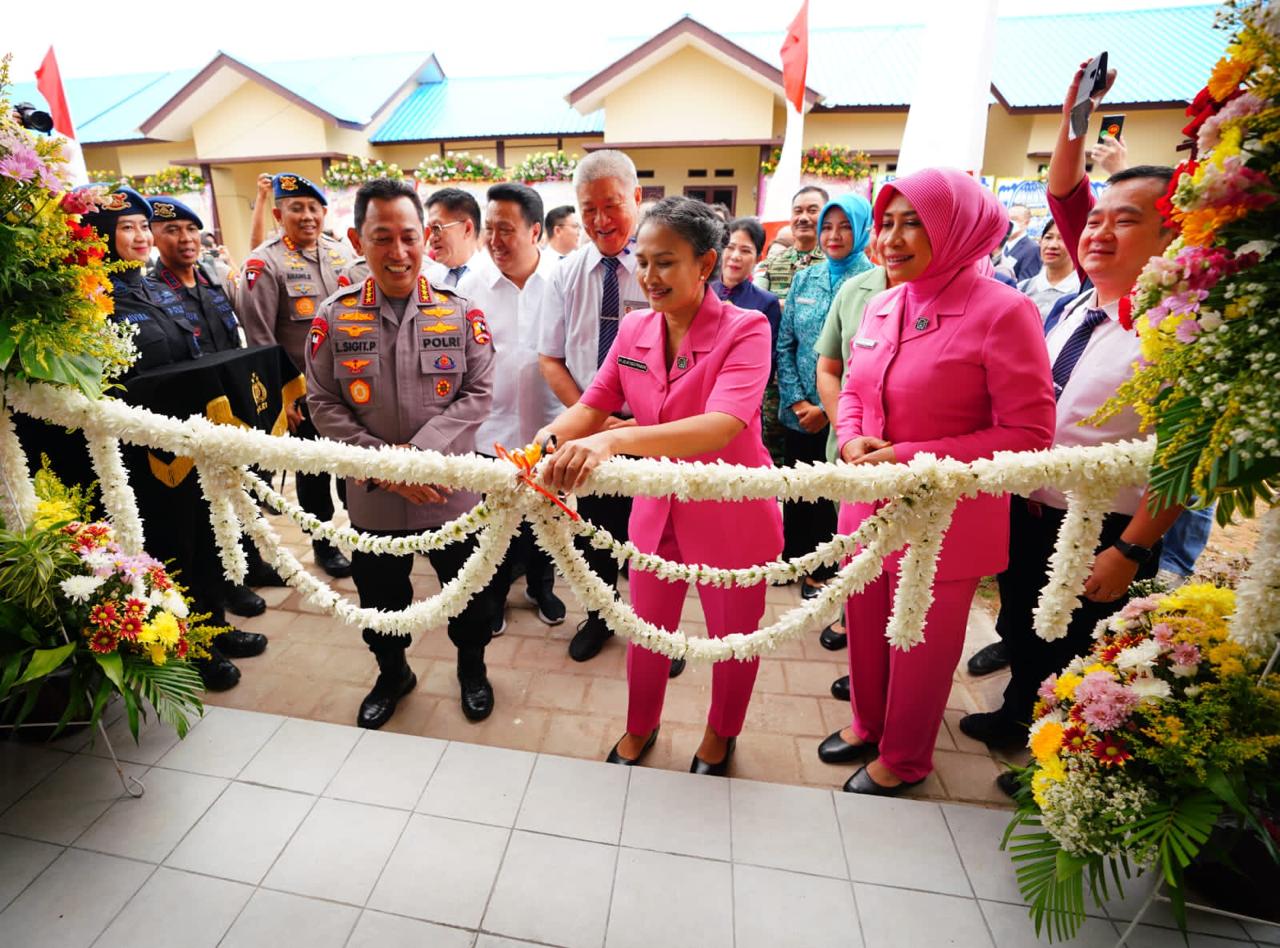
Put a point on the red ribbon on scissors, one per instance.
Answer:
(524, 464)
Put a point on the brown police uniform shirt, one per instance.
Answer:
(282, 288)
(376, 378)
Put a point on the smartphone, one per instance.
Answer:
(1092, 82)
(1112, 126)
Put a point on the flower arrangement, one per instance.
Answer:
(826, 161)
(172, 180)
(71, 598)
(1208, 311)
(1139, 749)
(457, 166)
(545, 166)
(108, 176)
(355, 171)
(55, 294)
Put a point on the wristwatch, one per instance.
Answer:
(1131, 551)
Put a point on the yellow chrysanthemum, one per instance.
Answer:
(157, 654)
(1202, 600)
(1065, 688)
(1096, 667)
(1046, 741)
(1049, 772)
(49, 512)
(164, 630)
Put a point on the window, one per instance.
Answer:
(644, 174)
(654, 192)
(728, 196)
(697, 172)
(724, 172)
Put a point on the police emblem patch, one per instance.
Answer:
(305, 306)
(356, 366)
(443, 387)
(164, 210)
(479, 328)
(288, 182)
(318, 334)
(355, 331)
(445, 363)
(252, 267)
(360, 391)
(116, 202)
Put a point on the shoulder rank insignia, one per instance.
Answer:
(355, 331)
(356, 366)
(360, 391)
(424, 289)
(479, 328)
(318, 334)
(369, 297)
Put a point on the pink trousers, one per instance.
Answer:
(727, 611)
(898, 697)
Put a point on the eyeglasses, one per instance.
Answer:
(437, 230)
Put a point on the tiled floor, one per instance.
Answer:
(259, 830)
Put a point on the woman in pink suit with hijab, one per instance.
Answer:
(693, 370)
(952, 363)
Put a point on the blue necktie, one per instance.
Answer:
(1074, 348)
(456, 274)
(608, 308)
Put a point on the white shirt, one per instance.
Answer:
(569, 325)
(522, 400)
(1106, 363)
(1044, 294)
(438, 273)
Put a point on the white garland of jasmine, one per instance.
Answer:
(1256, 621)
(914, 595)
(218, 483)
(1072, 557)
(18, 494)
(117, 496)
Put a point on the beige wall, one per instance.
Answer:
(253, 121)
(1006, 147)
(688, 96)
(671, 166)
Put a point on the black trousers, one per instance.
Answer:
(1033, 531)
(313, 489)
(383, 582)
(611, 513)
(806, 523)
(525, 555)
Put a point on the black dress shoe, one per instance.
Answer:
(861, 782)
(330, 559)
(242, 600)
(836, 750)
(217, 671)
(677, 666)
(380, 703)
(809, 591)
(260, 574)
(590, 638)
(616, 758)
(994, 730)
(240, 644)
(988, 659)
(840, 688)
(832, 640)
(700, 766)
(477, 696)
(550, 608)
(1009, 784)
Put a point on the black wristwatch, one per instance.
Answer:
(1131, 551)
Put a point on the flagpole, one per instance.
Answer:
(49, 82)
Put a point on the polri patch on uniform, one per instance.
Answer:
(444, 363)
(479, 328)
(252, 268)
(319, 333)
(633, 364)
(360, 391)
(443, 387)
(356, 366)
(305, 306)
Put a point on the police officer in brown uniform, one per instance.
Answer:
(284, 281)
(399, 361)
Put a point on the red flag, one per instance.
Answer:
(795, 57)
(49, 82)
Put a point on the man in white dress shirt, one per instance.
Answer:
(509, 286)
(453, 234)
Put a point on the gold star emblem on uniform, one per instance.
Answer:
(922, 323)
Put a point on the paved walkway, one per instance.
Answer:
(260, 830)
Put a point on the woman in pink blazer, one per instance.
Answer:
(693, 371)
(951, 363)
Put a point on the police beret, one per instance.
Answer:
(287, 185)
(119, 203)
(171, 209)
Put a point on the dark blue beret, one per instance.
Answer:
(119, 203)
(171, 209)
(287, 185)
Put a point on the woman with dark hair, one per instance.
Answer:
(693, 369)
(733, 285)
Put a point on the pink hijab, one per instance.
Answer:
(964, 222)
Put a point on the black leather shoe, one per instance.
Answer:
(677, 666)
(616, 758)
(590, 638)
(380, 703)
(809, 591)
(832, 640)
(840, 688)
(700, 766)
(260, 574)
(1009, 784)
(499, 625)
(836, 750)
(477, 696)
(550, 609)
(994, 730)
(217, 671)
(242, 600)
(861, 782)
(240, 644)
(330, 559)
(989, 659)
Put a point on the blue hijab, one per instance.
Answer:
(858, 210)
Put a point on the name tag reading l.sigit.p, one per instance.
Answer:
(633, 364)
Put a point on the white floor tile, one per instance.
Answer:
(673, 901)
(579, 798)
(1263, 934)
(552, 890)
(72, 901)
(177, 908)
(1149, 936)
(1161, 915)
(387, 769)
(62, 806)
(338, 851)
(441, 870)
(977, 833)
(376, 930)
(496, 941)
(786, 828)
(242, 833)
(21, 860)
(302, 756)
(1012, 927)
(478, 783)
(902, 918)
(22, 766)
(677, 813)
(224, 742)
(773, 908)
(899, 842)
(277, 919)
(154, 740)
(148, 827)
